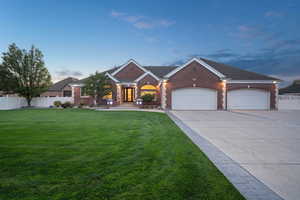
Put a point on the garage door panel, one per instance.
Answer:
(194, 99)
(248, 99)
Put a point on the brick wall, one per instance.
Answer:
(194, 75)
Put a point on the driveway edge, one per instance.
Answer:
(248, 185)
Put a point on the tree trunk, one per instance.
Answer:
(28, 99)
(95, 100)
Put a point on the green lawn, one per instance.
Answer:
(84, 154)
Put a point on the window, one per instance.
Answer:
(67, 93)
(108, 96)
(83, 92)
(148, 89)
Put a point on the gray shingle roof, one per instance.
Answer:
(58, 86)
(160, 71)
(235, 73)
(230, 72)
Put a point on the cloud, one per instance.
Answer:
(166, 23)
(143, 25)
(67, 72)
(274, 14)
(141, 22)
(116, 14)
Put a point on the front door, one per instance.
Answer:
(128, 94)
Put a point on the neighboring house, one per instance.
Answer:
(60, 88)
(293, 89)
(199, 84)
(4, 94)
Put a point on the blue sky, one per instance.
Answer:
(80, 37)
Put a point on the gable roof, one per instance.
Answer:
(293, 88)
(160, 71)
(235, 73)
(222, 70)
(58, 86)
(125, 65)
(201, 62)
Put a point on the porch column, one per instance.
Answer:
(119, 93)
(163, 94)
(135, 92)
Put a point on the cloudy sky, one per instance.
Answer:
(80, 37)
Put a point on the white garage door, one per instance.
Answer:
(248, 99)
(194, 99)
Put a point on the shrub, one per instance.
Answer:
(81, 105)
(57, 103)
(67, 104)
(147, 98)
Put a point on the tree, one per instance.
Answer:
(97, 85)
(24, 73)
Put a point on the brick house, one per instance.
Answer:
(199, 84)
(60, 88)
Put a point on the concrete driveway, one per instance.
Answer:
(266, 143)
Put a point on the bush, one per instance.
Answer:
(147, 98)
(57, 103)
(67, 104)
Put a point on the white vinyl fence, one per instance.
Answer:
(7, 103)
(288, 102)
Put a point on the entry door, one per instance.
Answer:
(128, 94)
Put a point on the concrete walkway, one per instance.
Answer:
(265, 144)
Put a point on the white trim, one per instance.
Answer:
(201, 62)
(251, 81)
(76, 85)
(144, 75)
(127, 63)
(111, 77)
(141, 77)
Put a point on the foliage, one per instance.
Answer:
(67, 104)
(84, 154)
(24, 73)
(97, 85)
(57, 103)
(147, 98)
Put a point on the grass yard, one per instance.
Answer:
(87, 155)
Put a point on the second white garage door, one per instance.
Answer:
(194, 99)
(248, 99)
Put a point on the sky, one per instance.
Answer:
(78, 38)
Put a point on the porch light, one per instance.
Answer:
(274, 82)
(139, 102)
(109, 101)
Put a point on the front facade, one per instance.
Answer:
(60, 88)
(199, 84)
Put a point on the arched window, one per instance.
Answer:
(108, 96)
(148, 89)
